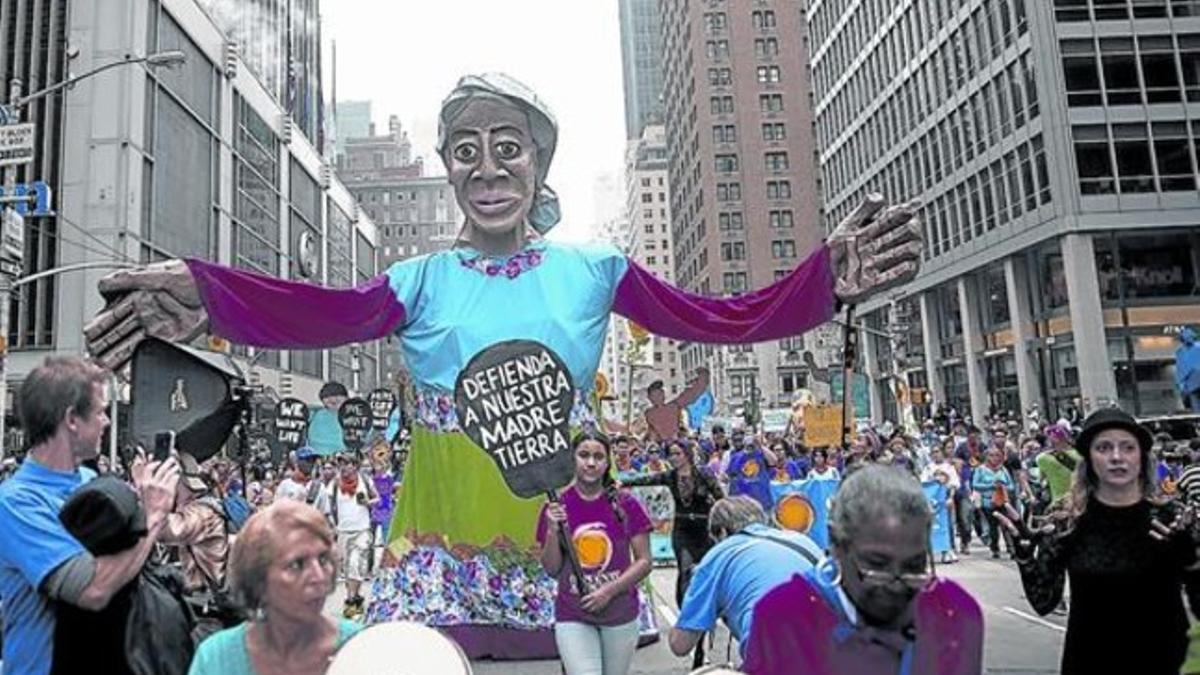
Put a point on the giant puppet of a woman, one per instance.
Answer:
(462, 554)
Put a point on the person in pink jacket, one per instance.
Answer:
(874, 605)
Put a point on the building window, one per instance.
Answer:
(763, 19)
(733, 250)
(1132, 150)
(721, 105)
(780, 218)
(790, 383)
(717, 50)
(779, 189)
(726, 163)
(1154, 265)
(734, 282)
(724, 133)
(720, 77)
(714, 22)
(770, 103)
(1174, 157)
(776, 161)
(785, 248)
(773, 131)
(766, 48)
(768, 74)
(729, 192)
(730, 221)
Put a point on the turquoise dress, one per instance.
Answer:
(225, 652)
(461, 552)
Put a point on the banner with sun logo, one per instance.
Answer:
(940, 539)
(803, 506)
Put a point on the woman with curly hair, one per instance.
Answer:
(1127, 552)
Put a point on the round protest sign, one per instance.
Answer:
(382, 401)
(514, 401)
(355, 418)
(291, 421)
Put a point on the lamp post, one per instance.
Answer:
(13, 232)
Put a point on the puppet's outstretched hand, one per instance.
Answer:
(877, 247)
(160, 300)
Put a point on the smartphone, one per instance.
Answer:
(164, 443)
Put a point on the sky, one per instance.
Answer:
(406, 56)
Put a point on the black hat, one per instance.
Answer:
(105, 516)
(1111, 418)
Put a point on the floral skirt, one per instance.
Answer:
(462, 556)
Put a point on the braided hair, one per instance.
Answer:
(607, 482)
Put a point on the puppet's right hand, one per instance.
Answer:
(160, 300)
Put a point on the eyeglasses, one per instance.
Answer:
(881, 578)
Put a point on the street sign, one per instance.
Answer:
(16, 144)
(12, 237)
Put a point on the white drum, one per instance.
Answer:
(400, 648)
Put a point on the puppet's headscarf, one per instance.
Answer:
(545, 213)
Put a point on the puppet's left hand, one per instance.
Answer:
(875, 248)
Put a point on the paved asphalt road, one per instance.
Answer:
(1017, 640)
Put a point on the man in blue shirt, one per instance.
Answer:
(749, 560)
(63, 405)
(750, 472)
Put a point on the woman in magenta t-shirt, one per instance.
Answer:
(610, 532)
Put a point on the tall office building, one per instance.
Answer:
(1053, 146)
(352, 119)
(743, 199)
(648, 242)
(641, 64)
(416, 214)
(217, 159)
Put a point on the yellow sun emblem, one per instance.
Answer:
(794, 512)
(750, 469)
(593, 547)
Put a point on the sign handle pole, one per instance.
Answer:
(564, 540)
(849, 356)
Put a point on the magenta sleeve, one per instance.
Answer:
(263, 311)
(802, 300)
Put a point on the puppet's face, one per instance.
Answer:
(492, 164)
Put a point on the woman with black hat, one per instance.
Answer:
(1128, 554)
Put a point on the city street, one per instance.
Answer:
(1017, 640)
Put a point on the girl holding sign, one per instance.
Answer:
(610, 534)
(462, 554)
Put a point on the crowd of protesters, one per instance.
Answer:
(1105, 506)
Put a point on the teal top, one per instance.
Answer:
(559, 295)
(225, 652)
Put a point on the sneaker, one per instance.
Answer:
(949, 557)
(965, 550)
(995, 555)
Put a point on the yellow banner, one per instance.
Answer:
(822, 425)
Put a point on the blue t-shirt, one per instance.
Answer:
(325, 432)
(33, 543)
(225, 652)
(749, 475)
(736, 573)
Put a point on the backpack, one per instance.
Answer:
(237, 512)
(146, 628)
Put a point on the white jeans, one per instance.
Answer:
(586, 649)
